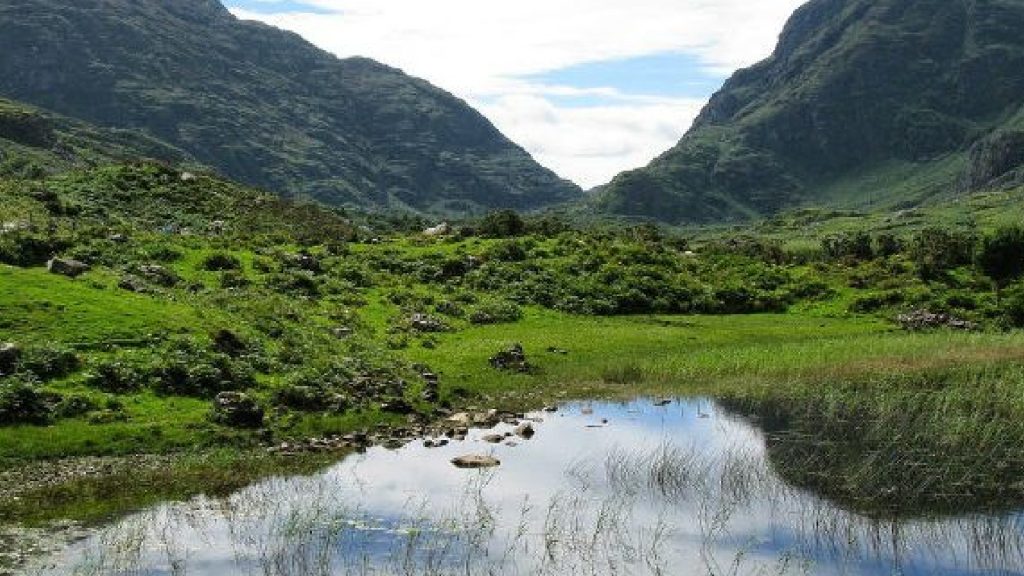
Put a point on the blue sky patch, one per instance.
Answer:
(674, 75)
(274, 6)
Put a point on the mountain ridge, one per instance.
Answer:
(853, 85)
(265, 107)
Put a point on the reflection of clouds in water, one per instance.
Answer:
(681, 488)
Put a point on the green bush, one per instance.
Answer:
(501, 224)
(1002, 255)
(118, 377)
(22, 403)
(188, 370)
(49, 362)
(495, 312)
(937, 250)
(221, 262)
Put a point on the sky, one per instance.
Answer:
(589, 87)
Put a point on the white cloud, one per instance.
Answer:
(481, 49)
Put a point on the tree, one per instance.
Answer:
(1002, 256)
(502, 224)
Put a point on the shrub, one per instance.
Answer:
(502, 224)
(201, 374)
(21, 403)
(221, 262)
(119, 376)
(49, 362)
(496, 312)
(1002, 256)
(75, 406)
(937, 250)
(852, 246)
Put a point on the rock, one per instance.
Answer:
(461, 418)
(67, 267)
(443, 229)
(551, 408)
(512, 359)
(494, 438)
(10, 354)
(425, 323)
(133, 284)
(159, 275)
(237, 409)
(525, 430)
(925, 320)
(397, 406)
(473, 461)
(663, 402)
(342, 332)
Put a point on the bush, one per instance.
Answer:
(936, 251)
(118, 377)
(1002, 256)
(501, 224)
(202, 375)
(49, 362)
(21, 403)
(75, 406)
(496, 312)
(221, 262)
(852, 246)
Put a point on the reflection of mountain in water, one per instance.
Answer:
(682, 490)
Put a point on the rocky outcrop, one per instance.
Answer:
(67, 267)
(997, 160)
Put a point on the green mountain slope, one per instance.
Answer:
(34, 143)
(863, 103)
(265, 107)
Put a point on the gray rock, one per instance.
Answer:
(473, 461)
(10, 353)
(67, 267)
(494, 438)
(512, 359)
(525, 430)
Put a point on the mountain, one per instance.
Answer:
(34, 144)
(265, 107)
(864, 103)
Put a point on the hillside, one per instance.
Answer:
(264, 107)
(864, 104)
(35, 143)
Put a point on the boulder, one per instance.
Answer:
(494, 438)
(525, 430)
(238, 410)
(512, 359)
(472, 461)
(925, 320)
(159, 275)
(67, 267)
(425, 323)
(10, 354)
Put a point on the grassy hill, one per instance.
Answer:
(864, 104)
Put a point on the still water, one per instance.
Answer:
(602, 488)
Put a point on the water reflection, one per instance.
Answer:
(682, 489)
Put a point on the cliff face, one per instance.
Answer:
(265, 107)
(853, 86)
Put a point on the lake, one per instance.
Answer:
(683, 489)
